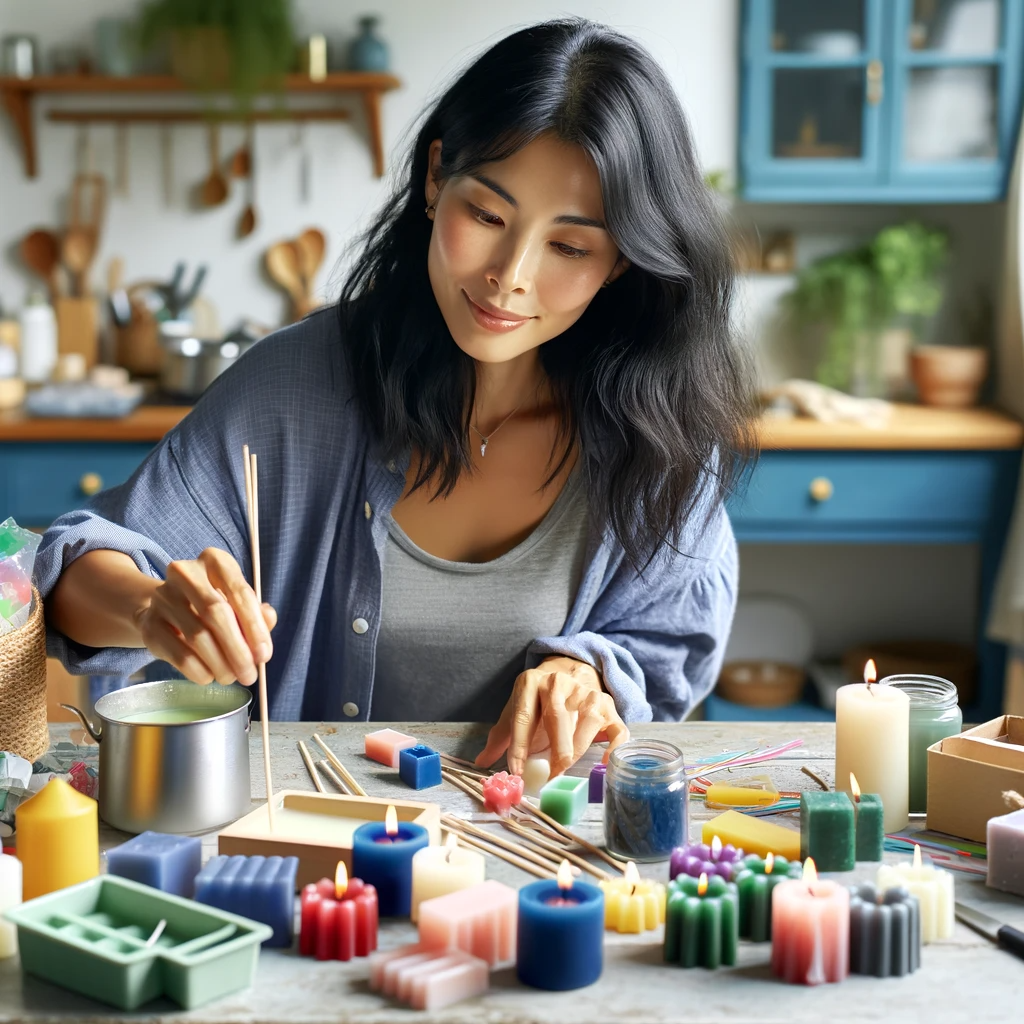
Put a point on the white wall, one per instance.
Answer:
(694, 40)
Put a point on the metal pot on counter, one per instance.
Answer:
(188, 364)
(174, 755)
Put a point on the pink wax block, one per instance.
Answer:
(502, 792)
(394, 971)
(467, 977)
(480, 920)
(386, 744)
(379, 961)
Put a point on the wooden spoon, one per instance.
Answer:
(311, 244)
(282, 262)
(77, 251)
(215, 189)
(40, 251)
(241, 162)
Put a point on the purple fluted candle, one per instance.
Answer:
(596, 792)
(696, 859)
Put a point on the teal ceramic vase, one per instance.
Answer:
(368, 52)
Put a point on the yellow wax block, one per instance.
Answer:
(739, 796)
(58, 839)
(753, 834)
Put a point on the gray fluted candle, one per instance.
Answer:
(885, 931)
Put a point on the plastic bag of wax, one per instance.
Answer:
(17, 556)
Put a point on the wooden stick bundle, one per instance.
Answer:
(253, 511)
(560, 853)
(452, 824)
(339, 767)
(311, 768)
(326, 768)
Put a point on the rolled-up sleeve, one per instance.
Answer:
(659, 641)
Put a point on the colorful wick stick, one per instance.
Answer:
(934, 889)
(561, 933)
(1006, 853)
(701, 922)
(565, 799)
(428, 979)
(480, 920)
(755, 880)
(633, 904)
(419, 767)
(259, 888)
(58, 839)
(827, 830)
(439, 870)
(385, 745)
(753, 835)
(597, 776)
(165, 862)
(10, 896)
(696, 859)
(382, 855)
(502, 792)
(885, 932)
(810, 930)
(339, 918)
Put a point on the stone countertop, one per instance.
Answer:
(965, 978)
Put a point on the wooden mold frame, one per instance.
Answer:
(318, 855)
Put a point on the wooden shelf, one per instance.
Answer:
(17, 95)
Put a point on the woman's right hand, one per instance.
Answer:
(205, 620)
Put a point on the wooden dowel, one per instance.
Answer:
(326, 768)
(252, 497)
(519, 849)
(311, 768)
(339, 767)
(460, 783)
(455, 825)
(568, 855)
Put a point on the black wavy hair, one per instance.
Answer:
(649, 380)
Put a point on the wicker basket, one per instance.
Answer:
(23, 728)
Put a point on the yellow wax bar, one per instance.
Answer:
(753, 834)
(739, 796)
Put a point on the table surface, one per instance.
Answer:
(958, 978)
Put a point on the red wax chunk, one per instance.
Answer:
(502, 792)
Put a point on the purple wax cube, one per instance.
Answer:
(259, 888)
(167, 863)
(597, 774)
(1006, 852)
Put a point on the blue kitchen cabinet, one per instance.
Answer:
(879, 100)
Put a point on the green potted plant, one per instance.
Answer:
(243, 45)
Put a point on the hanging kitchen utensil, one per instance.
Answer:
(282, 263)
(121, 159)
(167, 162)
(40, 252)
(81, 240)
(310, 245)
(241, 162)
(215, 189)
(247, 219)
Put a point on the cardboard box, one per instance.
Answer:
(967, 775)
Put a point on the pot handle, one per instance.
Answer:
(96, 734)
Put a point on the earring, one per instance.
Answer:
(430, 212)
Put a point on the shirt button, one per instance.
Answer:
(367, 511)
(360, 625)
(391, 465)
(351, 709)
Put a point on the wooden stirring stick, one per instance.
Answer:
(253, 502)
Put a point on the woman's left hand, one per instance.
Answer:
(563, 697)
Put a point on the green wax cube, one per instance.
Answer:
(565, 799)
(870, 830)
(827, 830)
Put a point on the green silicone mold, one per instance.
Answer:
(91, 938)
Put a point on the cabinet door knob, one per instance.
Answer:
(91, 483)
(821, 489)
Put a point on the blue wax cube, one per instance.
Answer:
(167, 863)
(259, 888)
(419, 767)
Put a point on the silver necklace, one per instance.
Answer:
(484, 441)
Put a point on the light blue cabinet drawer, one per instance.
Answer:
(827, 495)
(42, 481)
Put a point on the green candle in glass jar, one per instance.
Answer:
(934, 715)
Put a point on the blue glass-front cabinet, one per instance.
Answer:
(879, 100)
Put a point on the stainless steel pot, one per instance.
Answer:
(181, 777)
(189, 365)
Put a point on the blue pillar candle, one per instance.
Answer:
(382, 855)
(419, 767)
(560, 933)
(259, 888)
(167, 863)
(645, 800)
(885, 931)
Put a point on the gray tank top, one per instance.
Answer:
(453, 635)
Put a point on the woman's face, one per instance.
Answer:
(518, 248)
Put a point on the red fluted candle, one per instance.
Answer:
(339, 918)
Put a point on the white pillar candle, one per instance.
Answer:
(873, 743)
(10, 896)
(439, 870)
(933, 888)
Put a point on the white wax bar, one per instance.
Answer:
(10, 896)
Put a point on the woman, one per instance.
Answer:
(491, 479)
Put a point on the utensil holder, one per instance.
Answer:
(137, 345)
(23, 728)
(77, 328)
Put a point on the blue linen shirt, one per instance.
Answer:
(657, 641)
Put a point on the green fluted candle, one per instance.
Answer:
(701, 922)
(754, 883)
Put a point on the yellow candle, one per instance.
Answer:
(933, 888)
(633, 904)
(58, 839)
(439, 870)
(873, 742)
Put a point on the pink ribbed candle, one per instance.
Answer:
(480, 920)
(428, 979)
